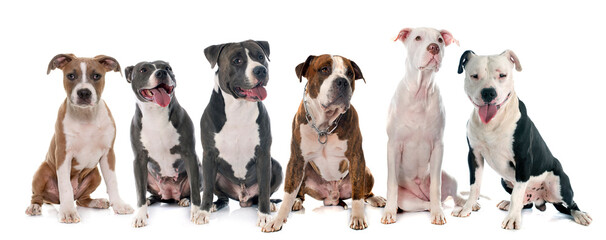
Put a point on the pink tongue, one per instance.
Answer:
(258, 92)
(487, 112)
(160, 96)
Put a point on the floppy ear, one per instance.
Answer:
(513, 59)
(357, 71)
(265, 46)
(465, 59)
(403, 34)
(59, 61)
(448, 38)
(128, 71)
(109, 63)
(301, 69)
(212, 54)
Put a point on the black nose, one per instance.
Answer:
(342, 83)
(260, 72)
(84, 94)
(488, 94)
(161, 74)
(433, 48)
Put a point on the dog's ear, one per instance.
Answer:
(265, 46)
(357, 71)
(212, 54)
(403, 34)
(301, 69)
(128, 71)
(448, 38)
(59, 61)
(513, 59)
(109, 63)
(465, 59)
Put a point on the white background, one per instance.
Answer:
(559, 44)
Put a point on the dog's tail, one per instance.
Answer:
(482, 196)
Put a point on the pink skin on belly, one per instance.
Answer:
(328, 191)
(169, 187)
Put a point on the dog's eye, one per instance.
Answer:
(71, 76)
(169, 69)
(261, 57)
(418, 38)
(142, 70)
(325, 70)
(349, 73)
(502, 75)
(96, 76)
(440, 40)
(237, 61)
(475, 76)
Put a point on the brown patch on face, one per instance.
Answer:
(315, 70)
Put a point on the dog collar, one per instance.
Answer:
(322, 134)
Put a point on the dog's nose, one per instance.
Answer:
(260, 72)
(84, 94)
(488, 94)
(161, 74)
(433, 48)
(342, 82)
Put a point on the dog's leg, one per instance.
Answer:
(435, 186)
(67, 209)
(86, 186)
(140, 170)
(263, 165)
(357, 170)
(369, 197)
(449, 188)
(201, 214)
(43, 179)
(567, 194)
(394, 156)
(476, 167)
(513, 220)
(108, 166)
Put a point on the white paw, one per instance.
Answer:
(140, 219)
(274, 225)
(121, 207)
(263, 219)
(184, 202)
(437, 217)
(512, 221)
(298, 205)
(581, 217)
(33, 210)
(358, 222)
(461, 211)
(376, 201)
(68, 215)
(199, 216)
(389, 216)
(503, 205)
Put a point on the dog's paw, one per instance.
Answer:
(298, 205)
(199, 216)
(504, 205)
(263, 219)
(121, 207)
(358, 222)
(69, 215)
(512, 221)
(273, 207)
(476, 207)
(437, 217)
(389, 217)
(461, 211)
(581, 217)
(140, 219)
(184, 202)
(376, 201)
(34, 210)
(100, 203)
(274, 225)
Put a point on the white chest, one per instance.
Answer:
(89, 141)
(159, 136)
(326, 157)
(239, 136)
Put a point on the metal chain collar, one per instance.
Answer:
(322, 134)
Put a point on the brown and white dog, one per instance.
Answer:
(84, 137)
(327, 161)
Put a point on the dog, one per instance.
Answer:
(236, 134)
(162, 138)
(84, 137)
(327, 161)
(415, 127)
(500, 132)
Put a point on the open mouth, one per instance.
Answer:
(160, 94)
(489, 110)
(255, 94)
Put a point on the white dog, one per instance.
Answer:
(415, 127)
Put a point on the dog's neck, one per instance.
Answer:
(317, 116)
(83, 114)
(420, 83)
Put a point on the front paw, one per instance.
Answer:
(581, 217)
(140, 219)
(358, 222)
(199, 216)
(69, 215)
(33, 210)
(389, 216)
(184, 202)
(263, 219)
(274, 225)
(437, 217)
(121, 207)
(512, 221)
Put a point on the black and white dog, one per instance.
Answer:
(500, 132)
(162, 138)
(236, 135)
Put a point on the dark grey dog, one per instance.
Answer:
(162, 138)
(236, 135)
